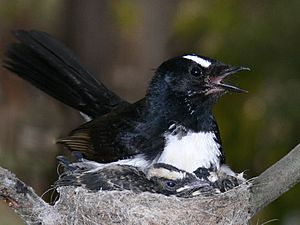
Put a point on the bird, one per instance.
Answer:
(173, 124)
(159, 178)
(51, 67)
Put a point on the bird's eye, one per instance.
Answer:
(171, 184)
(196, 72)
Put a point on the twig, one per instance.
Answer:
(79, 206)
(275, 181)
(23, 199)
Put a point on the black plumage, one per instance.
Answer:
(50, 66)
(159, 178)
(180, 96)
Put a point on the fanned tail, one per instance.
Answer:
(51, 67)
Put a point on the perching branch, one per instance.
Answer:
(79, 206)
(275, 181)
(23, 199)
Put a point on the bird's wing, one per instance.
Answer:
(117, 135)
(51, 67)
(105, 139)
(112, 177)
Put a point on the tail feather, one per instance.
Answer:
(50, 66)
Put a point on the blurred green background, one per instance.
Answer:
(122, 41)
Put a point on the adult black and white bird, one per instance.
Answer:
(159, 178)
(173, 124)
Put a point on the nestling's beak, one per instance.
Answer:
(194, 189)
(219, 73)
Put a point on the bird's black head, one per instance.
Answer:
(195, 79)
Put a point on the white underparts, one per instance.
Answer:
(191, 151)
(202, 62)
(187, 152)
(137, 161)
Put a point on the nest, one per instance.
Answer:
(80, 206)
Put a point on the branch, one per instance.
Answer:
(23, 199)
(275, 181)
(80, 206)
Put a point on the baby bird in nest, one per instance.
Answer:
(159, 178)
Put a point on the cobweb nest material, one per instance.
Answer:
(79, 206)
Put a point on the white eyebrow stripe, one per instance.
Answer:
(202, 62)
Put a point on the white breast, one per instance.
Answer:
(191, 151)
(187, 153)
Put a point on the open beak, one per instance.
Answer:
(223, 72)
